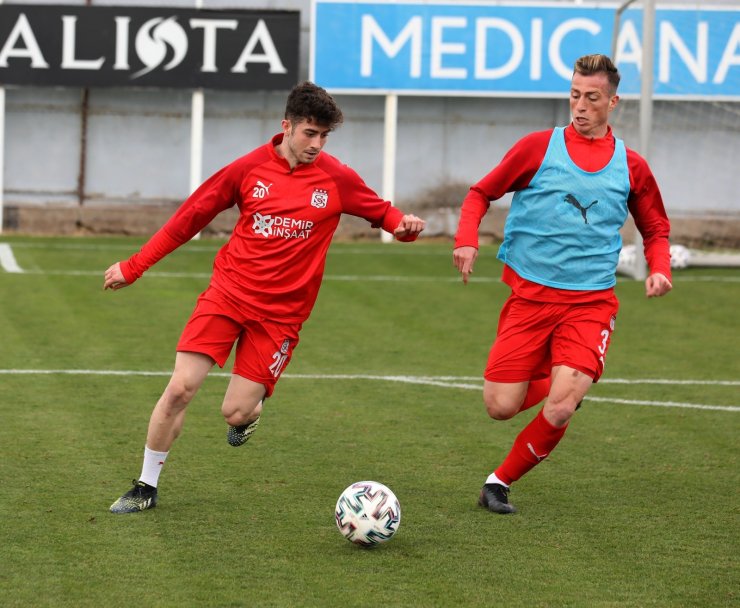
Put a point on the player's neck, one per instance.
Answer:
(600, 133)
(283, 152)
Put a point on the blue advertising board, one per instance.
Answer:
(516, 49)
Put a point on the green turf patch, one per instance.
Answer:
(636, 507)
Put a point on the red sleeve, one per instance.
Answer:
(217, 193)
(646, 206)
(362, 201)
(514, 172)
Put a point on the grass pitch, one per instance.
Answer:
(638, 506)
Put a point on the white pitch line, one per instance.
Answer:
(698, 406)
(193, 248)
(441, 381)
(99, 273)
(327, 277)
(665, 381)
(602, 381)
(343, 277)
(404, 378)
(693, 406)
(7, 259)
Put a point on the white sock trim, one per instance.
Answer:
(152, 467)
(493, 479)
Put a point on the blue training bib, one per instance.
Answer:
(562, 230)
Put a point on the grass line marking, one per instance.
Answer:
(441, 381)
(328, 277)
(7, 259)
(191, 247)
(602, 381)
(666, 381)
(693, 406)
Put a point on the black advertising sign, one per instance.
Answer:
(148, 47)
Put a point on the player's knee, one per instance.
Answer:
(500, 408)
(179, 393)
(239, 418)
(241, 413)
(559, 412)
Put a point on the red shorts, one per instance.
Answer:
(263, 347)
(533, 337)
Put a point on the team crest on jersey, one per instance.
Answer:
(319, 198)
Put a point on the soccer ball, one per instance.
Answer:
(627, 257)
(680, 256)
(367, 513)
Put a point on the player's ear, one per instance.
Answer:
(613, 102)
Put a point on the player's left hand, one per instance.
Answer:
(114, 278)
(657, 285)
(409, 227)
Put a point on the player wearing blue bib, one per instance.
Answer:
(573, 189)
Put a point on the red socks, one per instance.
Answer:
(532, 446)
(536, 393)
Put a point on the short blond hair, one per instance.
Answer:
(598, 64)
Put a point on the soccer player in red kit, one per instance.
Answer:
(290, 195)
(573, 188)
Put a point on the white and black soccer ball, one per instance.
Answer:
(680, 256)
(368, 513)
(627, 257)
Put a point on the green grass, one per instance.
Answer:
(638, 506)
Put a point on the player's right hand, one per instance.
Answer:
(657, 285)
(114, 277)
(464, 258)
(409, 228)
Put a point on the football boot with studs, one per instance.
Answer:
(495, 498)
(139, 498)
(238, 435)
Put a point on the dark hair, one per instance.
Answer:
(596, 64)
(308, 101)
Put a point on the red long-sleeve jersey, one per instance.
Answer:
(517, 169)
(273, 263)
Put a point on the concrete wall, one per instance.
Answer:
(137, 153)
